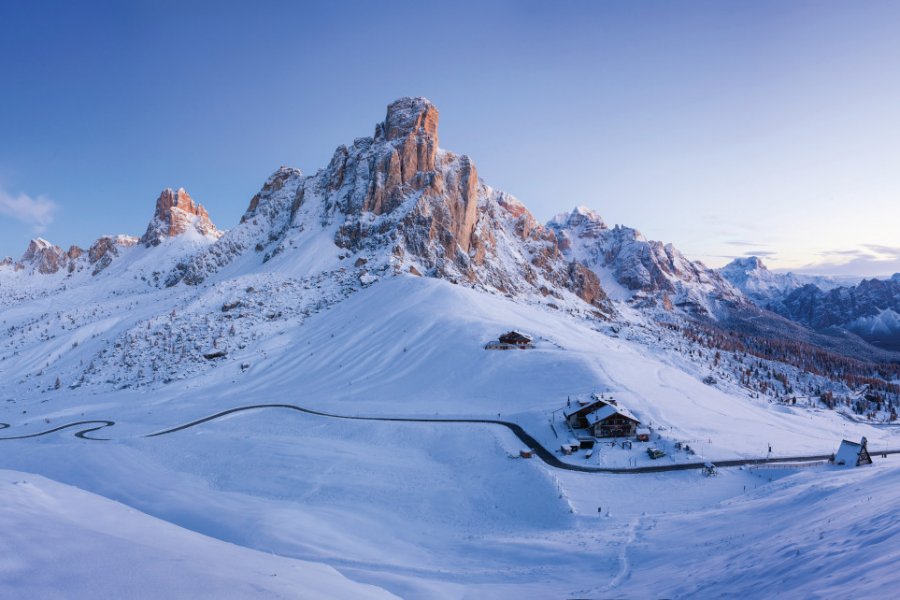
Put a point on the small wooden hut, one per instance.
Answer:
(515, 338)
(851, 454)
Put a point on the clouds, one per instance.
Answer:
(867, 260)
(36, 212)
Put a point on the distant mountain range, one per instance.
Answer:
(870, 309)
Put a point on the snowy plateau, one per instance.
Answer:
(305, 405)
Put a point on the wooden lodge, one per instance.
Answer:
(577, 417)
(515, 338)
(851, 454)
(511, 340)
(612, 421)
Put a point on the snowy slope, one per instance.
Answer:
(113, 551)
(370, 288)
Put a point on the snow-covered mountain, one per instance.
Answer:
(175, 216)
(391, 204)
(762, 286)
(641, 271)
(870, 309)
(328, 329)
(397, 203)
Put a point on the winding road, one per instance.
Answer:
(539, 450)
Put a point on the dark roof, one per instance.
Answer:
(515, 336)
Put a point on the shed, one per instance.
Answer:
(613, 421)
(851, 454)
(515, 338)
(643, 434)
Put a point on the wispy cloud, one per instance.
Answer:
(869, 260)
(36, 212)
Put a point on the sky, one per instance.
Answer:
(726, 128)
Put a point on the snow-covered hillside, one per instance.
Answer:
(440, 510)
(62, 542)
(370, 289)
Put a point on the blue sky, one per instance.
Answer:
(726, 128)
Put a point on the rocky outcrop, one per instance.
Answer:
(586, 285)
(44, 257)
(105, 249)
(176, 213)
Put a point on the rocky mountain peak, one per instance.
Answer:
(400, 203)
(409, 116)
(586, 222)
(177, 213)
(45, 257)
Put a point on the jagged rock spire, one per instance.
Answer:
(176, 213)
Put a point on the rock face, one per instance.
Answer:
(45, 257)
(105, 249)
(647, 272)
(400, 202)
(176, 213)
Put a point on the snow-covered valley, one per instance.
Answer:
(371, 290)
(442, 510)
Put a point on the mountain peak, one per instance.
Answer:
(579, 216)
(177, 213)
(45, 257)
(749, 263)
(405, 116)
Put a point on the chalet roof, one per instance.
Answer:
(516, 334)
(587, 408)
(609, 410)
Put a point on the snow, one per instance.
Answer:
(608, 411)
(114, 551)
(424, 510)
(273, 500)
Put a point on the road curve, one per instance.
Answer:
(539, 450)
(545, 455)
(82, 433)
